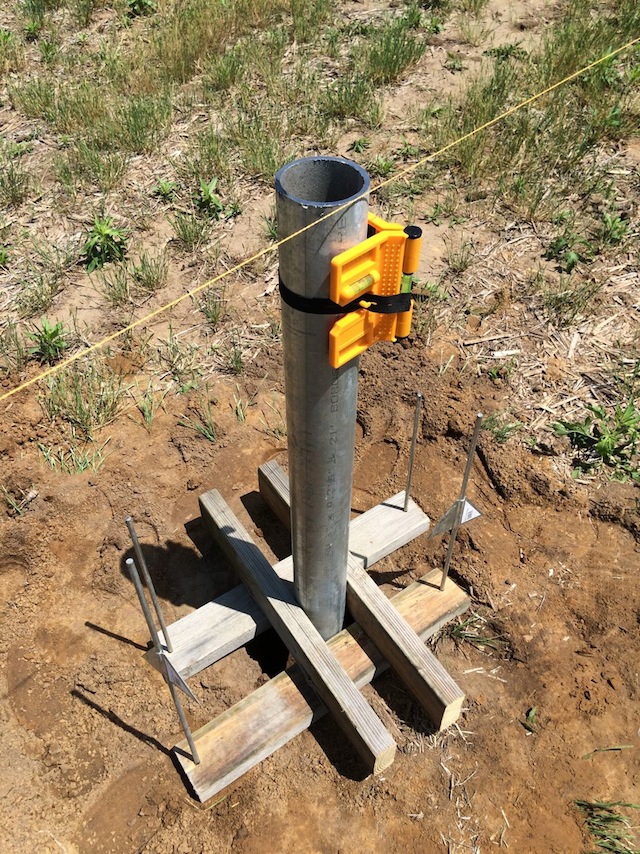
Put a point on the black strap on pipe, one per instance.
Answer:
(394, 304)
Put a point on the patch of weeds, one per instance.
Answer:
(4, 257)
(501, 371)
(222, 71)
(609, 829)
(381, 166)
(74, 459)
(13, 352)
(87, 396)
(37, 293)
(241, 406)
(351, 96)
(17, 500)
(567, 300)
(50, 342)
(609, 439)
(149, 404)
(454, 63)
(15, 184)
(391, 49)
(11, 52)
(307, 17)
(459, 254)
(151, 271)
(505, 52)
(502, 429)
(182, 361)
(236, 356)
(139, 8)
(104, 243)
(271, 226)
(203, 423)
(569, 248)
(275, 427)
(191, 230)
(85, 163)
(114, 285)
(472, 630)
(213, 305)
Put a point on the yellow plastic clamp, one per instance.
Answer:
(383, 264)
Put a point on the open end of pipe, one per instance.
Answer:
(322, 181)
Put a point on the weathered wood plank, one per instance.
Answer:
(217, 628)
(417, 666)
(261, 723)
(372, 536)
(277, 599)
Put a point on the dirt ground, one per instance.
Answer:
(87, 727)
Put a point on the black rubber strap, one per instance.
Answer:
(394, 304)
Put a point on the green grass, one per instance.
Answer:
(14, 353)
(608, 827)
(74, 459)
(86, 396)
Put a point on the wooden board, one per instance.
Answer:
(372, 536)
(278, 601)
(217, 628)
(416, 665)
(261, 723)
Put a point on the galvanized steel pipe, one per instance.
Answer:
(320, 400)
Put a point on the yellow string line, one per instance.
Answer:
(161, 309)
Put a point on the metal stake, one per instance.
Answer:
(412, 454)
(135, 578)
(147, 578)
(183, 722)
(321, 400)
(462, 498)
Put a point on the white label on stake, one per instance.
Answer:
(469, 512)
(447, 522)
(172, 675)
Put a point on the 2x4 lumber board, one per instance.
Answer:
(356, 718)
(254, 728)
(417, 666)
(218, 628)
(372, 536)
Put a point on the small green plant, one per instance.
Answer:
(613, 229)
(191, 230)
(17, 500)
(530, 722)
(4, 257)
(207, 201)
(271, 226)
(213, 305)
(203, 423)
(137, 8)
(502, 429)
(608, 827)
(151, 271)
(165, 189)
(453, 63)
(359, 145)
(114, 285)
(149, 404)
(381, 166)
(459, 254)
(602, 438)
(182, 360)
(241, 407)
(504, 52)
(569, 248)
(568, 299)
(13, 352)
(236, 356)
(105, 243)
(74, 459)
(472, 630)
(15, 184)
(37, 294)
(50, 342)
(86, 396)
(392, 48)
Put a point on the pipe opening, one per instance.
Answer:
(322, 181)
